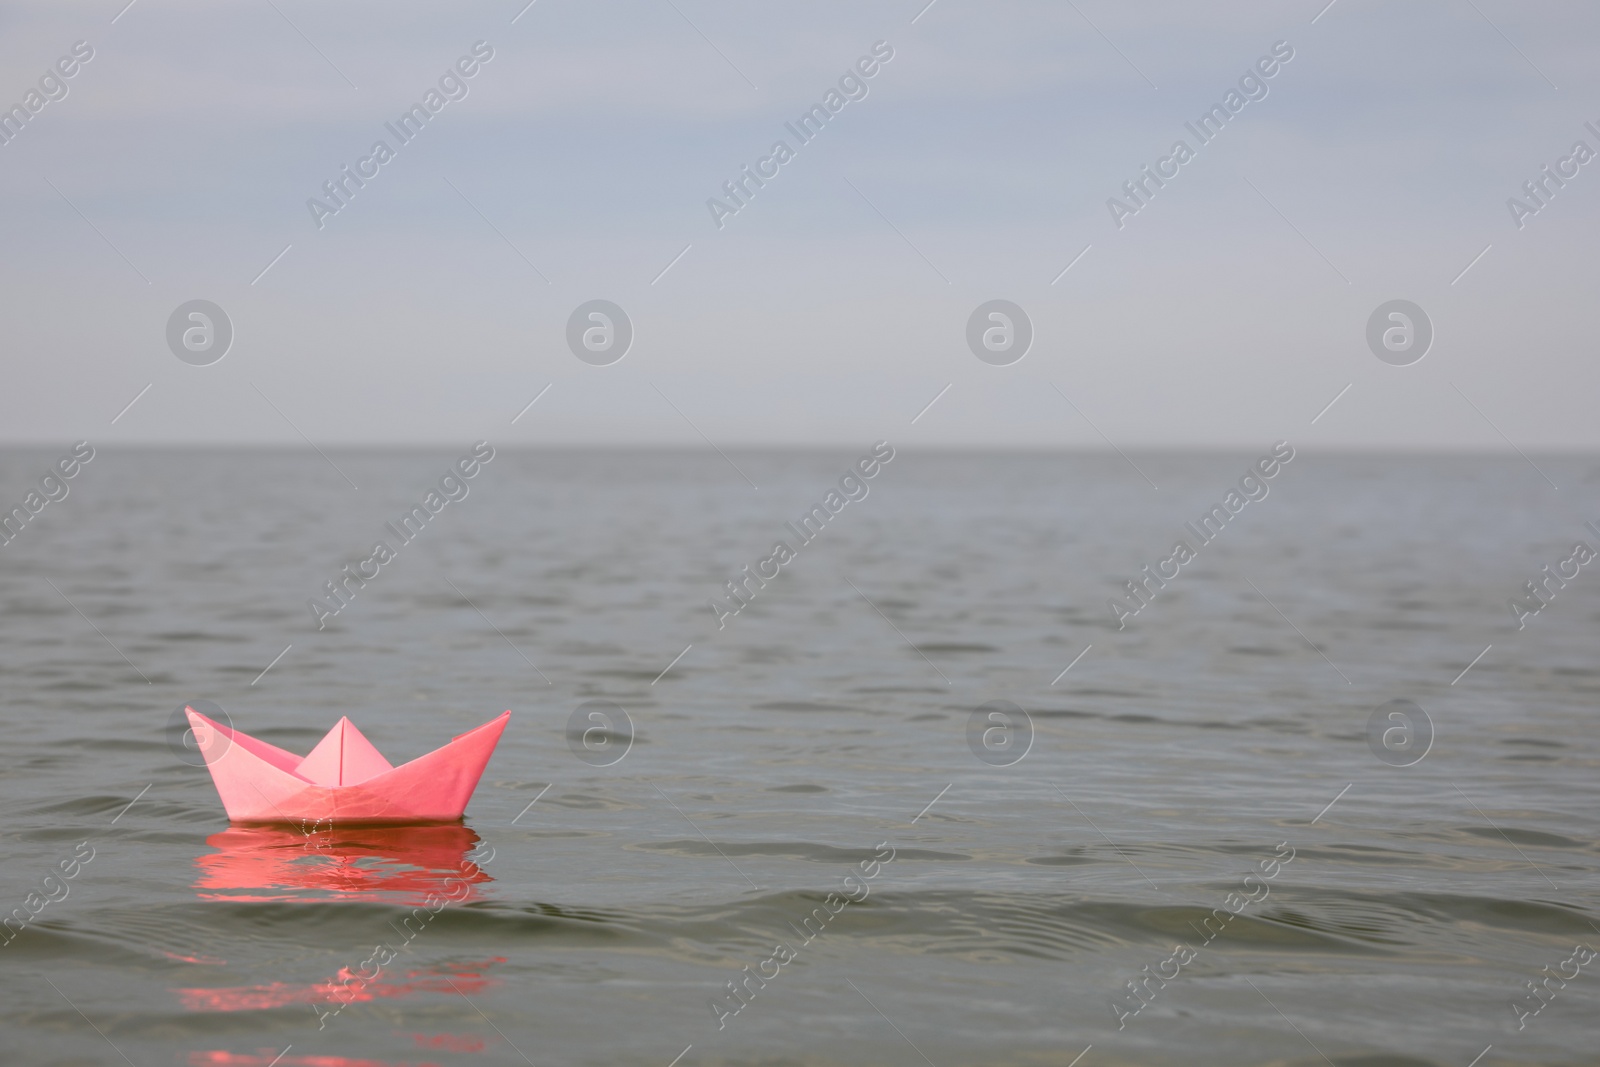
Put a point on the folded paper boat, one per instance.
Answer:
(344, 779)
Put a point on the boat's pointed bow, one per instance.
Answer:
(251, 776)
(212, 738)
(496, 724)
(437, 786)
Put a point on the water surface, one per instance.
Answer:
(823, 728)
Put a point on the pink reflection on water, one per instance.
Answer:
(449, 1042)
(388, 864)
(342, 989)
(267, 1057)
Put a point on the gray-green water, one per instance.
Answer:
(824, 729)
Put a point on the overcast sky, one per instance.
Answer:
(833, 307)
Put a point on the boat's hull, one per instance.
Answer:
(258, 782)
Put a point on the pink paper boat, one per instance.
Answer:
(343, 780)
